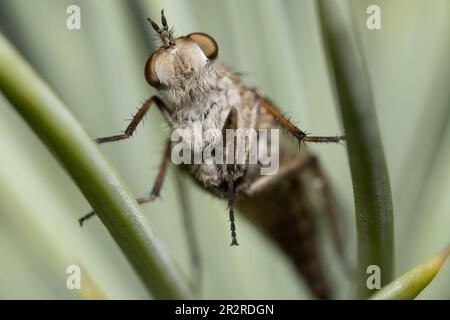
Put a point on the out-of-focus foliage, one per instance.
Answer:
(98, 72)
(370, 176)
(80, 156)
(409, 285)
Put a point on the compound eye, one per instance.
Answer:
(206, 43)
(150, 73)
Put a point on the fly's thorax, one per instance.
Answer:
(210, 84)
(189, 87)
(202, 125)
(210, 108)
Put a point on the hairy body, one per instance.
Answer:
(202, 93)
(197, 90)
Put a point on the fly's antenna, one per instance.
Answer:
(164, 33)
(164, 21)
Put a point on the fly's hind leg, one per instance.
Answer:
(156, 186)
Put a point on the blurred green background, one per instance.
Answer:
(98, 72)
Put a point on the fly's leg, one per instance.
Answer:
(231, 207)
(159, 179)
(137, 118)
(231, 123)
(131, 128)
(156, 186)
(300, 135)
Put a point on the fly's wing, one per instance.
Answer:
(282, 208)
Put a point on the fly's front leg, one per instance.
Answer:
(137, 118)
(156, 186)
(231, 123)
(300, 135)
(231, 207)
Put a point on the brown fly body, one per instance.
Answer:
(197, 90)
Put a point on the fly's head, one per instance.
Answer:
(182, 67)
